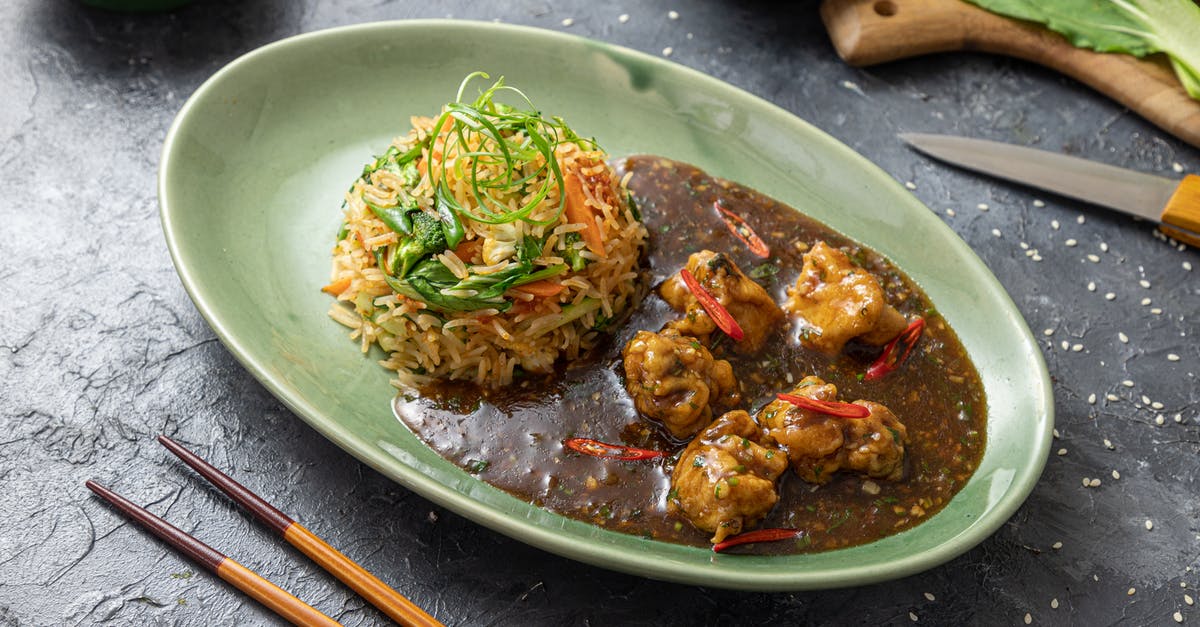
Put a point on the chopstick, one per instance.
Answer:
(242, 578)
(347, 570)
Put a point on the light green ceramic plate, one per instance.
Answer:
(251, 181)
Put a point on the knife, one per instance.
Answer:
(1174, 205)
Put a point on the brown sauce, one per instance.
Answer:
(512, 439)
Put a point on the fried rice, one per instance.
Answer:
(496, 245)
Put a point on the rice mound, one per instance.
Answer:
(562, 316)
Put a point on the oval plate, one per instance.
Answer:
(252, 176)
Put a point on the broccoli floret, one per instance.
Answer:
(571, 253)
(427, 239)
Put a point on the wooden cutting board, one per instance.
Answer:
(866, 32)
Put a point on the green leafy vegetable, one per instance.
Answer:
(1137, 27)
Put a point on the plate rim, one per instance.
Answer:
(646, 565)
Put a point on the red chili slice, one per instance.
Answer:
(742, 231)
(829, 408)
(758, 535)
(595, 448)
(891, 358)
(715, 310)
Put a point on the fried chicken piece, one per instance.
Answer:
(749, 304)
(725, 481)
(675, 380)
(818, 445)
(837, 301)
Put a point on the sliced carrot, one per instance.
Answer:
(467, 249)
(337, 287)
(578, 212)
(544, 288)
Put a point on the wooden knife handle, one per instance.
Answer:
(1181, 217)
(866, 32)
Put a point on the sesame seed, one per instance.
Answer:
(1054, 604)
(1109, 296)
(1029, 618)
(1156, 311)
(1124, 338)
(1187, 598)
(568, 21)
(1156, 405)
(1024, 246)
(950, 212)
(1095, 483)
(1178, 616)
(1056, 546)
(1178, 417)
(996, 232)
(1091, 286)
(1112, 397)
(1116, 475)
(910, 184)
(667, 51)
(1178, 167)
(1066, 345)
(1080, 220)
(1062, 451)
(674, 15)
(982, 206)
(1158, 420)
(1038, 203)
(1144, 283)
(1172, 357)
(1070, 242)
(622, 18)
(1103, 247)
(1131, 592)
(1091, 399)
(1187, 265)
(1086, 482)
(1048, 332)
(1076, 348)
(912, 616)
(1109, 445)
(929, 596)
(1146, 301)
(1127, 383)
(1149, 525)
(1035, 256)
(1093, 258)
(1054, 224)
(1030, 253)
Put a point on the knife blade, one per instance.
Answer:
(1174, 205)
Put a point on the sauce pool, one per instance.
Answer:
(512, 438)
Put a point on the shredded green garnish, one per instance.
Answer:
(505, 136)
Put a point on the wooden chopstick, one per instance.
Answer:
(364, 583)
(242, 578)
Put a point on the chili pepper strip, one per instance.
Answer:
(596, 448)
(758, 535)
(742, 231)
(715, 310)
(829, 408)
(889, 360)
